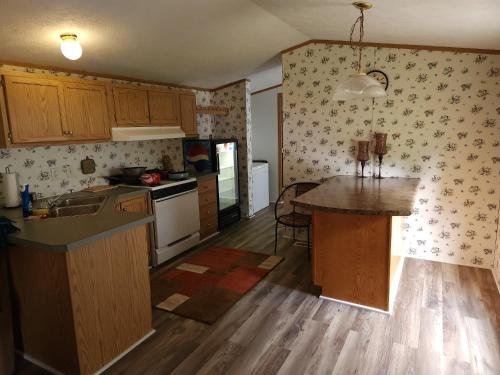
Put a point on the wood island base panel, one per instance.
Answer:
(357, 258)
(358, 237)
(81, 309)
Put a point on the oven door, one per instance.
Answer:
(176, 218)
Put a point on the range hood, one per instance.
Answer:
(146, 133)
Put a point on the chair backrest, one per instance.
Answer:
(290, 192)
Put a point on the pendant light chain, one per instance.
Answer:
(360, 20)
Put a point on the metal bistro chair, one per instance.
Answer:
(293, 218)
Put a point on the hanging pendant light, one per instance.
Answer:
(359, 85)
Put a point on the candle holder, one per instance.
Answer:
(380, 150)
(363, 155)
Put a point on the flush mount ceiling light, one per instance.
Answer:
(70, 47)
(359, 85)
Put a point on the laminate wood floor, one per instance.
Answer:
(446, 321)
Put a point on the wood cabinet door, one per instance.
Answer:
(35, 109)
(136, 204)
(86, 108)
(187, 104)
(163, 108)
(6, 328)
(131, 106)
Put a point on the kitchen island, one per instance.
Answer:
(358, 237)
(81, 283)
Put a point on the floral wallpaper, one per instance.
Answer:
(237, 124)
(53, 170)
(442, 116)
(206, 123)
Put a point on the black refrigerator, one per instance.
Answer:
(220, 155)
(228, 183)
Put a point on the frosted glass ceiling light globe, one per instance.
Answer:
(359, 86)
(70, 47)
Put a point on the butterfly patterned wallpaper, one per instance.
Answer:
(237, 124)
(442, 116)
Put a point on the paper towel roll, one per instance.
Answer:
(11, 194)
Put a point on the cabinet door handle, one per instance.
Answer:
(67, 132)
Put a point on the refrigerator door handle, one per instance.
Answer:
(218, 163)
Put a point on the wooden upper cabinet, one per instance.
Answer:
(187, 104)
(131, 106)
(86, 107)
(35, 109)
(163, 108)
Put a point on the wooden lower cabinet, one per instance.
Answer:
(138, 204)
(134, 204)
(357, 258)
(80, 309)
(207, 198)
(6, 331)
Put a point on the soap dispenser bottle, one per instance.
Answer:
(26, 200)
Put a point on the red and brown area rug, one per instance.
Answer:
(208, 283)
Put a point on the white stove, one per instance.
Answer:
(177, 217)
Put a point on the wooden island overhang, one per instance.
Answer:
(358, 252)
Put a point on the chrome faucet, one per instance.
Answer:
(52, 201)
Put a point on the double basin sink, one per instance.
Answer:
(76, 206)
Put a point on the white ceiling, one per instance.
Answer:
(208, 43)
(457, 23)
(203, 43)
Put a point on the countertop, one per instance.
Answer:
(71, 232)
(390, 196)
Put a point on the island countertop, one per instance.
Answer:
(390, 196)
(71, 232)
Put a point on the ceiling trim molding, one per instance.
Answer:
(101, 75)
(267, 89)
(229, 84)
(391, 45)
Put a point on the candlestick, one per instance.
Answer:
(380, 157)
(363, 155)
(380, 143)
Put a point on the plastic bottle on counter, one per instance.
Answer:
(26, 200)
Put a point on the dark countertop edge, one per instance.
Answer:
(83, 242)
(351, 211)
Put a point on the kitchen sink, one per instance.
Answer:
(85, 209)
(80, 201)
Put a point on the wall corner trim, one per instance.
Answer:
(394, 45)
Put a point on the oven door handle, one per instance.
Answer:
(175, 195)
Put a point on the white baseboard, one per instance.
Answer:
(356, 305)
(102, 369)
(41, 364)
